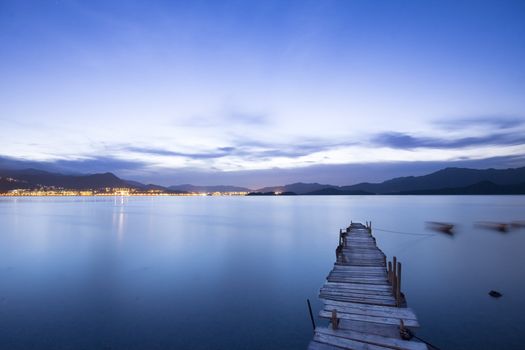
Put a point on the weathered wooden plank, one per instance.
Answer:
(360, 239)
(345, 343)
(371, 278)
(360, 286)
(343, 263)
(321, 346)
(365, 242)
(374, 313)
(366, 268)
(354, 291)
(400, 312)
(334, 277)
(360, 275)
(366, 258)
(339, 269)
(369, 318)
(355, 252)
(392, 343)
(363, 262)
(357, 296)
(355, 299)
(386, 330)
(380, 282)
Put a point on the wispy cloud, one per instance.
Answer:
(216, 153)
(402, 140)
(500, 122)
(249, 149)
(86, 165)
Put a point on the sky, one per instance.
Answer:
(259, 93)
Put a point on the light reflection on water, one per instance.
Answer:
(234, 272)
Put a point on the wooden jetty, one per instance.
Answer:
(363, 300)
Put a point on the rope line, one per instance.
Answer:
(404, 233)
(426, 342)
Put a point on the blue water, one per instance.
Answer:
(235, 272)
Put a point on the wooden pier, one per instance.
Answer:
(363, 300)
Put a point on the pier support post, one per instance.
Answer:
(394, 278)
(335, 320)
(398, 285)
(394, 268)
(394, 285)
(389, 272)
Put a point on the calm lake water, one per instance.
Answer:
(235, 272)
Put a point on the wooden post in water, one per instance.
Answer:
(311, 314)
(389, 272)
(394, 284)
(394, 268)
(398, 285)
(335, 320)
(394, 277)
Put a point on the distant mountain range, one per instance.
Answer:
(33, 178)
(39, 179)
(445, 181)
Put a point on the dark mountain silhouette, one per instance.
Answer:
(8, 184)
(206, 189)
(442, 179)
(331, 191)
(140, 185)
(298, 188)
(446, 181)
(135, 184)
(38, 178)
(480, 188)
(272, 194)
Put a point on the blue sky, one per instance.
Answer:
(262, 92)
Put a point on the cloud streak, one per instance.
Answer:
(492, 122)
(249, 149)
(400, 140)
(217, 153)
